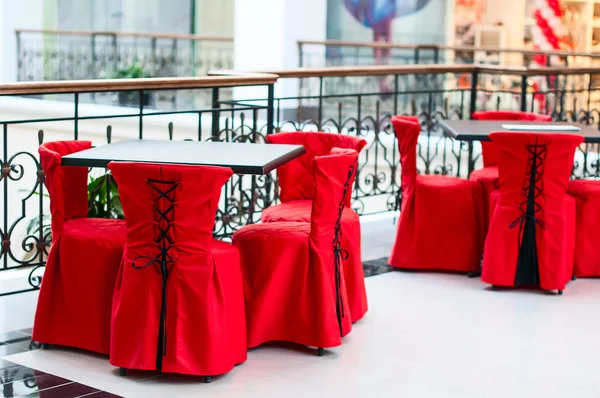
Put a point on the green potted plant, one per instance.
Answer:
(133, 71)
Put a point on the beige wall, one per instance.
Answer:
(214, 18)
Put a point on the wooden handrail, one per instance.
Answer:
(377, 70)
(341, 43)
(172, 36)
(382, 70)
(169, 83)
(229, 78)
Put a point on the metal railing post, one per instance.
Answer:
(153, 56)
(473, 99)
(523, 93)
(20, 62)
(216, 114)
(472, 109)
(93, 55)
(115, 52)
(271, 109)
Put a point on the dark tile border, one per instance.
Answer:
(376, 267)
(21, 381)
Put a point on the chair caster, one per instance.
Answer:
(560, 292)
(320, 352)
(122, 372)
(207, 379)
(45, 346)
(573, 278)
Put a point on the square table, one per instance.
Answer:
(479, 130)
(242, 158)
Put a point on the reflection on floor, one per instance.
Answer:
(22, 381)
(425, 335)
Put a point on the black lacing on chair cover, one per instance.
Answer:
(340, 254)
(533, 188)
(164, 243)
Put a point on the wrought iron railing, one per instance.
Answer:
(50, 55)
(344, 100)
(351, 53)
(361, 100)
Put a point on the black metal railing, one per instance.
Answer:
(346, 100)
(50, 55)
(352, 53)
(361, 101)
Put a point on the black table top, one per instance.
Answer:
(479, 130)
(243, 158)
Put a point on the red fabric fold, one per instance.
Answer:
(587, 250)
(552, 210)
(204, 323)
(74, 305)
(296, 181)
(440, 210)
(298, 292)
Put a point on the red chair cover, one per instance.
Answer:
(587, 237)
(178, 303)
(297, 184)
(298, 293)
(531, 236)
(436, 210)
(74, 304)
(296, 180)
(488, 175)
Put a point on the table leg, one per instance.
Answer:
(471, 166)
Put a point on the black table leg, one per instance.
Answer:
(471, 161)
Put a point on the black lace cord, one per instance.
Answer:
(163, 243)
(528, 221)
(340, 254)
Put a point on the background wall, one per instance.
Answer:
(16, 15)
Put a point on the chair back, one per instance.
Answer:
(333, 175)
(534, 168)
(487, 148)
(67, 185)
(296, 180)
(529, 225)
(407, 133)
(169, 209)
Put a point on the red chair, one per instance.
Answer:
(293, 273)
(532, 233)
(74, 305)
(296, 183)
(440, 225)
(488, 175)
(178, 305)
(587, 249)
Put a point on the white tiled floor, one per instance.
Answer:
(426, 335)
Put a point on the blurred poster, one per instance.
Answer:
(399, 21)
